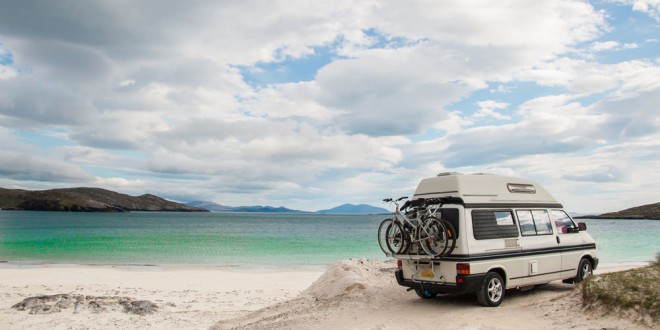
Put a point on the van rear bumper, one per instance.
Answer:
(464, 283)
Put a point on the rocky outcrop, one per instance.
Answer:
(81, 303)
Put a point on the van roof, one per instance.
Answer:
(486, 190)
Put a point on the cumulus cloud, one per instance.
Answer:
(597, 174)
(153, 95)
(490, 109)
(650, 7)
(22, 167)
(611, 45)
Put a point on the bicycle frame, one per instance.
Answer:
(417, 232)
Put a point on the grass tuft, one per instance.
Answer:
(656, 262)
(632, 290)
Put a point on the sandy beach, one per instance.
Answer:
(350, 294)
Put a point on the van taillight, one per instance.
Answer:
(399, 264)
(463, 269)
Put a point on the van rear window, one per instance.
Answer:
(491, 224)
(451, 215)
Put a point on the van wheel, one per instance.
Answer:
(425, 294)
(491, 293)
(585, 269)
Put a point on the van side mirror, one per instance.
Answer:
(582, 226)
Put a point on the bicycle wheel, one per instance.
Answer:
(396, 238)
(433, 237)
(451, 236)
(382, 235)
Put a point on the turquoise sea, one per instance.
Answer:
(242, 239)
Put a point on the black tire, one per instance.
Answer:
(425, 294)
(585, 269)
(382, 235)
(396, 238)
(491, 292)
(451, 236)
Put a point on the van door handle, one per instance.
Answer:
(558, 240)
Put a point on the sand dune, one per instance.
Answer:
(361, 294)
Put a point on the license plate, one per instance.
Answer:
(426, 272)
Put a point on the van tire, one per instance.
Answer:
(425, 294)
(585, 269)
(491, 292)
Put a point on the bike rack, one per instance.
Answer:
(419, 279)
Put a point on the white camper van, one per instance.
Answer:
(507, 233)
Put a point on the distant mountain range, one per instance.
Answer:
(86, 200)
(648, 211)
(342, 209)
(102, 200)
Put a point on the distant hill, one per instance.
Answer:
(354, 209)
(211, 206)
(649, 211)
(86, 200)
(259, 208)
(215, 207)
(342, 209)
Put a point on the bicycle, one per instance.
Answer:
(417, 227)
(446, 233)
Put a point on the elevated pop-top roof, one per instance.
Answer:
(485, 189)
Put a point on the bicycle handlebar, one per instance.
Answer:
(388, 200)
(419, 202)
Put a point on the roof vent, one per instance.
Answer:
(521, 188)
(449, 173)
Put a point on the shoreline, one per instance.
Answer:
(237, 267)
(7, 264)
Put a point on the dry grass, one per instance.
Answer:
(633, 291)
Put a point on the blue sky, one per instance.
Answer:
(313, 104)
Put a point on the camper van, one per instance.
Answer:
(509, 233)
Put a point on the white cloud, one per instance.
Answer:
(156, 100)
(489, 109)
(601, 46)
(7, 72)
(119, 183)
(17, 166)
(650, 7)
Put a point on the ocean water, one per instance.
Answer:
(242, 239)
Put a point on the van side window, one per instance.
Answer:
(526, 221)
(490, 224)
(534, 222)
(563, 222)
(542, 222)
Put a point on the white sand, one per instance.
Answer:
(354, 294)
(201, 296)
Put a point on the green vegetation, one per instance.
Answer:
(635, 289)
